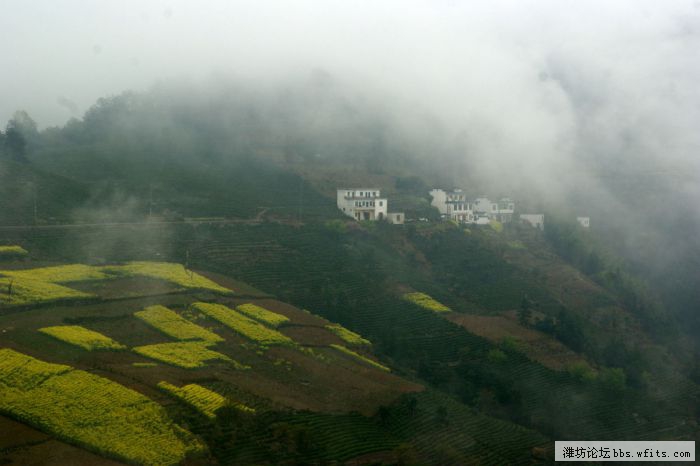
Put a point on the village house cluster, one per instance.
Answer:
(368, 204)
(455, 205)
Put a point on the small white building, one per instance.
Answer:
(396, 218)
(585, 222)
(536, 220)
(366, 204)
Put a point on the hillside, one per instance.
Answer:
(303, 384)
(164, 216)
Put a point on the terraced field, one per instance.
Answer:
(426, 302)
(23, 292)
(241, 324)
(359, 357)
(170, 272)
(90, 411)
(172, 324)
(21, 287)
(348, 336)
(82, 337)
(12, 251)
(200, 398)
(185, 354)
(262, 315)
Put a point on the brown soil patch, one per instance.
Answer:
(537, 345)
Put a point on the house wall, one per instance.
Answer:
(397, 218)
(439, 199)
(536, 220)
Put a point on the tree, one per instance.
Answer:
(15, 144)
(525, 312)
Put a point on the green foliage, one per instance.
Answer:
(496, 356)
(172, 324)
(582, 371)
(91, 411)
(82, 337)
(613, 380)
(337, 226)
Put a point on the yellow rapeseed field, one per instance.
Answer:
(185, 354)
(91, 411)
(82, 337)
(12, 251)
(59, 273)
(22, 291)
(200, 398)
(173, 273)
(359, 357)
(241, 324)
(347, 335)
(426, 302)
(261, 314)
(174, 325)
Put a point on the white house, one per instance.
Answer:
(536, 220)
(585, 222)
(453, 204)
(504, 210)
(456, 206)
(366, 204)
